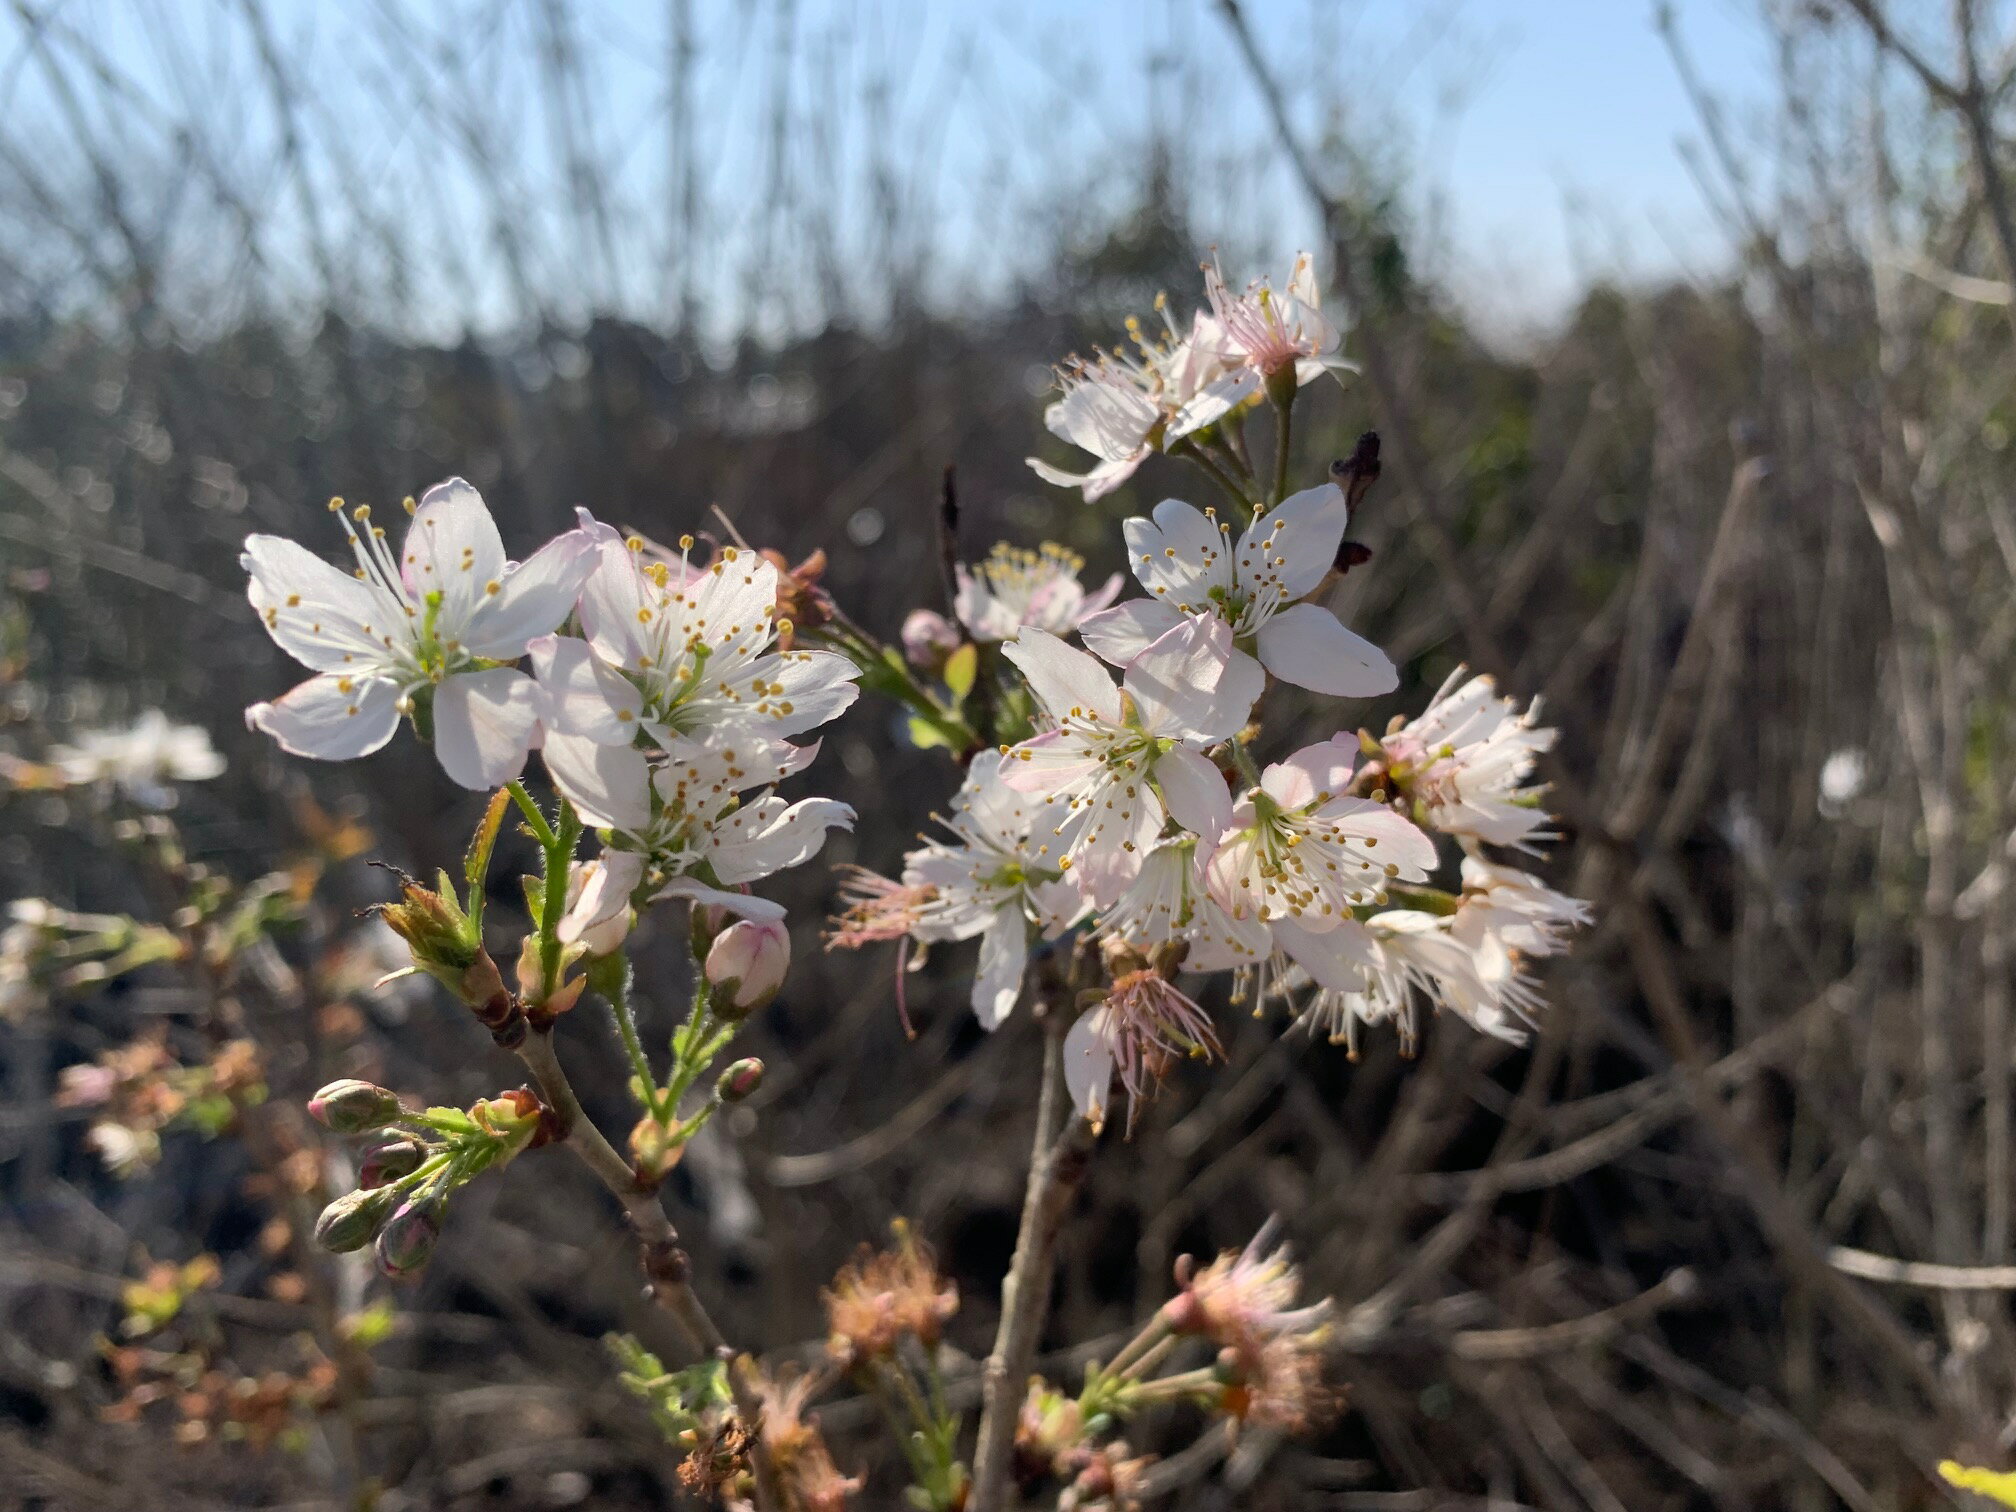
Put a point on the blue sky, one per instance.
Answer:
(1536, 139)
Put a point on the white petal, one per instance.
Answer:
(316, 613)
(1323, 769)
(1062, 677)
(1306, 645)
(583, 696)
(1123, 632)
(997, 979)
(1213, 402)
(608, 785)
(1337, 958)
(1180, 556)
(1293, 546)
(1194, 791)
(766, 836)
(452, 548)
(483, 725)
(331, 717)
(532, 598)
(742, 903)
(1088, 1065)
(1097, 483)
(1192, 684)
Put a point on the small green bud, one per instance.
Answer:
(353, 1220)
(353, 1107)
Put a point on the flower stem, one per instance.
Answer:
(1056, 1166)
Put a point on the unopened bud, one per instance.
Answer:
(655, 1148)
(740, 1080)
(929, 639)
(746, 965)
(389, 1161)
(406, 1242)
(353, 1107)
(353, 1220)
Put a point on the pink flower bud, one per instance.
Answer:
(928, 639)
(746, 965)
(353, 1107)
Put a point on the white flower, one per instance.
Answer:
(1843, 776)
(1185, 558)
(1117, 755)
(1410, 955)
(998, 876)
(143, 760)
(1265, 333)
(1464, 762)
(695, 650)
(445, 616)
(1300, 851)
(1016, 587)
(686, 817)
(1121, 406)
(1505, 917)
(1167, 905)
(598, 901)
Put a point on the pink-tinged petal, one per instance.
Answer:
(703, 896)
(604, 898)
(331, 717)
(1214, 402)
(1107, 591)
(484, 723)
(1305, 645)
(1193, 684)
(1335, 958)
(818, 685)
(1180, 556)
(1402, 842)
(316, 613)
(997, 977)
(1097, 483)
(1194, 791)
(1320, 770)
(610, 786)
(1064, 679)
(768, 836)
(1293, 547)
(582, 695)
(1088, 1065)
(1115, 830)
(532, 598)
(452, 548)
(1123, 632)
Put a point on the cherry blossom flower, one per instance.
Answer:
(686, 817)
(1143, 1024)
(144, 760)
(1464, 761)
(439, 622)
(998, 875)
(1410, 956)
(694, 647)
(1300, 851)
(1121, 405)
(1185, 558)
(1266, 334)
(1016, 587)
(1122, 759)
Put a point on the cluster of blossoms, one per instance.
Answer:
(1135, 811)
(660, 721)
